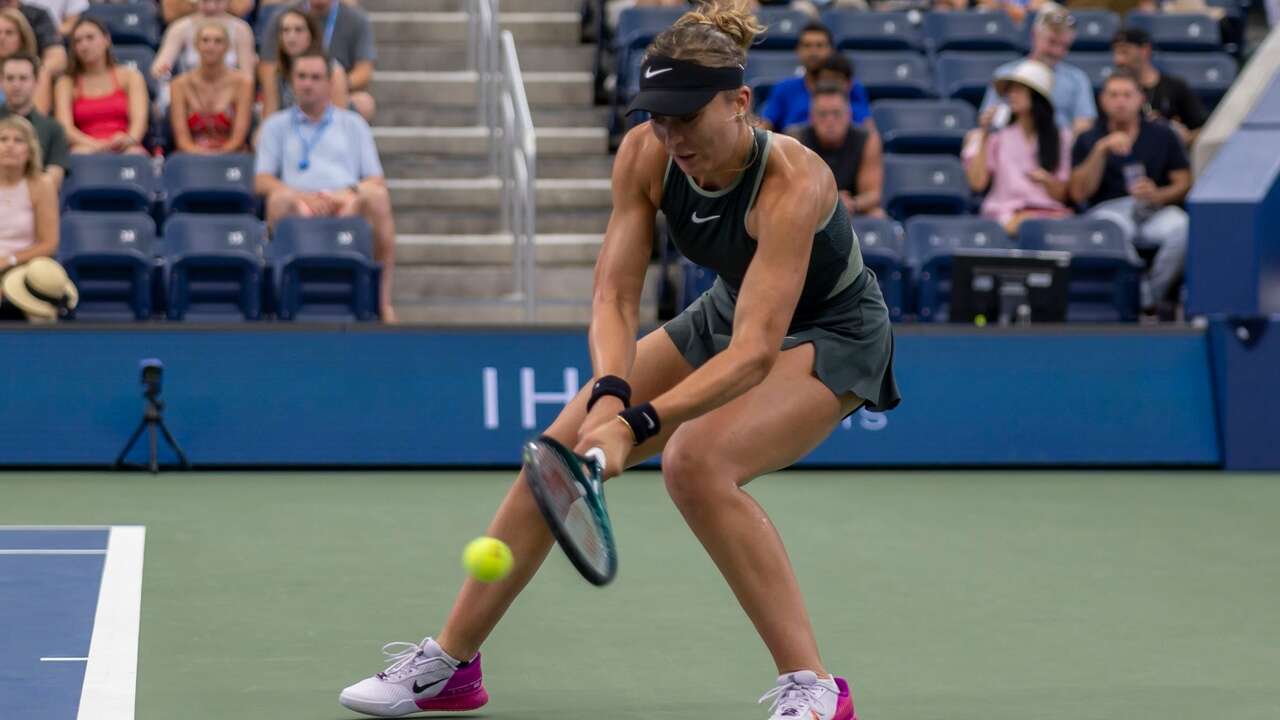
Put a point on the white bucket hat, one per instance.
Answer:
(41, 289)
(1032, 73)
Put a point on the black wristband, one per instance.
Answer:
(610, 385)
(643, 421)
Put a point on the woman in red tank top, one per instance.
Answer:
(102, 106)
(211, 104)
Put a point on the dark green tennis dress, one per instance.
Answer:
(841, 310)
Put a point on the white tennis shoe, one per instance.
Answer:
(803, 695)
(420, 677)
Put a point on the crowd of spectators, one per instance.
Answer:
(1041, 148)
(306, 92)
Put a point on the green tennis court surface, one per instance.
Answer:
(947, 596)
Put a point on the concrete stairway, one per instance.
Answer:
(453, 260)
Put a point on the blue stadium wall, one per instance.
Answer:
(291, 395)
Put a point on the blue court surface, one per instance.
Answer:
(69, 603)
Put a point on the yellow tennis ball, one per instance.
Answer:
(487, 559)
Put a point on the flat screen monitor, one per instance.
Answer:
(1009, 287)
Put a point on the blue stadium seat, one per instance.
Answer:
(1105, 270)
(966, 75)
(1178, 32)
(931, 242)
(782, 27)
(209, 183)
(923, 126)
(766, 68)
(323, 269)
(858, 30)
(110, 183)
(1209, 74)
(213, 267)
(638, 26)
(882, 251)
(889, 75)
(1097, 65)
(109, 256)
(694, 281)
(1094, 30)
(924, 184)
(139, 57)
(136, 23)
(971, 31)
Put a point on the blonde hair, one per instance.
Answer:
(24, 29)
(716, 34)
(35, 163)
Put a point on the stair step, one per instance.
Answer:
(554, 284)
(420, 28)
(475, 141)
(497, 249)
(475, 166)
(458, 89)
(505, 6)
(577, 58)
(446, 116)
(542, 28)
(477, 221)
(486, 192)
(453, 312)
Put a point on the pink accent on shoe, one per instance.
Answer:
(844, 705)
(464, 691)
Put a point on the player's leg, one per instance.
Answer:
(705, 465)
(519, 523)
(444, 674)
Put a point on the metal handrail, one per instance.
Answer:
(503, 109)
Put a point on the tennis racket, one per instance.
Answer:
(569, 490)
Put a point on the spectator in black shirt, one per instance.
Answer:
(853, 153)
(1134, 172)
(1168, 96)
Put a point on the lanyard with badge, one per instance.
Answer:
(308, 145)
(330, 23)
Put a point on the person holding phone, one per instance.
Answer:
(1018, 151)
(1134, 172)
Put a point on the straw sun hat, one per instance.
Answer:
(41, 289)
(1032, 73)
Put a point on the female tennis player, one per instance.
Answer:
(793, 336)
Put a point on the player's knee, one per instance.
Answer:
(693, 476)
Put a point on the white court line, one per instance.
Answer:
(34, 551)
(111, 675)
(58, 659)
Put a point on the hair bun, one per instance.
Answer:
(731, 17)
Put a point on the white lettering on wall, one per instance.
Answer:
(489, 378)
(530, 398)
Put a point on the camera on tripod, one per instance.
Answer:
(152, 371)
(151, 374)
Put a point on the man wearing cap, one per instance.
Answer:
(38, 291)
(1169, 97)
(1051, 39)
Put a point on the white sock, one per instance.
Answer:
(433, 649)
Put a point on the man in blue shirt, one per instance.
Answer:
(318, 160)
(1051, 39)
(788, 102)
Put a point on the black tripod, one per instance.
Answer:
(152, 421)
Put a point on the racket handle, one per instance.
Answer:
(597, 454)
